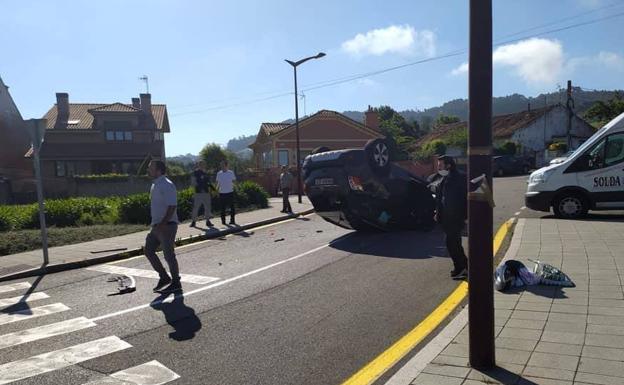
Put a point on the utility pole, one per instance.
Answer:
(480, 205)
(36, 129)
(570, 107)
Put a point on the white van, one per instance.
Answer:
(592, 178)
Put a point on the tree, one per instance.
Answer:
(400, 134)
(212, 154)
(176, 168)
(601, 112)
(446, 119)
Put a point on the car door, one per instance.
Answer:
(601, 172)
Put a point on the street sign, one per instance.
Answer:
(36, 130)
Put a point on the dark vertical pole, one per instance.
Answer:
(570, 113)
(297, 134)
(480, 282)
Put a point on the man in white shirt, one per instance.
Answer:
(225, 184)
(163, 203)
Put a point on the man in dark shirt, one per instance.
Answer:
(201, 182)
(452, 211)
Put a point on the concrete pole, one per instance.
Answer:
(37, 129)
(480, 228)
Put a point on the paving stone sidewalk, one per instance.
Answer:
(11, 264)
(548, 335)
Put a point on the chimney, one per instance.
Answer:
(136, 103)
(529, 107)
(146, 106)
(371, 119)
(62, 110)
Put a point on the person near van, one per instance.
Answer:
(225, 184)
(451, 212)
(164, 223)
(200, 180)
(285, 181)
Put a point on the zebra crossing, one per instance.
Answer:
(20, 308)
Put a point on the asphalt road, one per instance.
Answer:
(301, 302)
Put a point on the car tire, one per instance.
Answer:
(378, 155)
(570, 206)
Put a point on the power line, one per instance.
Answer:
(338, 81)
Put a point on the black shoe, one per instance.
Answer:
(461, 274)
(162, 283)
(233, 223)
(173, 287)
(192, 224)
(209, 224)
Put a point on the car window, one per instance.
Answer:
(596, 156)
(614, 152)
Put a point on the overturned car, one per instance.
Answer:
(361, 189)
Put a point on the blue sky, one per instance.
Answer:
(211, 62)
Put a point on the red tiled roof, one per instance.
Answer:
(503, 126)
(273, 128)
(115, 107)
(80, 113)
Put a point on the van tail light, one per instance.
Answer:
(355, 183)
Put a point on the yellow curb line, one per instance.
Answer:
(378, 366)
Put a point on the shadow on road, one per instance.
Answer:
(398, 244)
(22, 306)
(182, 318)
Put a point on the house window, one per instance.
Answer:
(110, 135)
(159, 136)
(128, 135)
(119, 135)
(64, 168)
(267, 159)
(60, 168)
(282, 157)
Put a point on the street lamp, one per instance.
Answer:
(294, 64)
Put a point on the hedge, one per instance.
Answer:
(133, 209)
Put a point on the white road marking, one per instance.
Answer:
(517, 213)
(217, 284)
(523, 208)
(23, 299)
(190, 278)
(14, 286)
(58, 359)
(150, 373)
(41, 332)
(20, 315)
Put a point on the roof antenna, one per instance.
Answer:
(144, 78)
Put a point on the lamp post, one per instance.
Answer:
(294, 64)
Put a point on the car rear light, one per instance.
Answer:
(355, 183)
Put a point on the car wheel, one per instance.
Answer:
(378, 154)
(570, 206)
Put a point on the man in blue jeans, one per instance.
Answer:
(163, 203)
(225, 184)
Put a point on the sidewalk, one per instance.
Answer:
(544, 335)
(109, 249)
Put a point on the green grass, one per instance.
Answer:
(18, 241)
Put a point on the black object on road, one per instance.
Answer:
(126, 284)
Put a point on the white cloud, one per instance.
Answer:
(611, 60)
(462, 69)
(401, 39)
(536, 61)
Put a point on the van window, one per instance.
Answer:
(614, 152)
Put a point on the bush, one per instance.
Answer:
(251, 193)
(435, 147)
(135, 209)
(185, 203)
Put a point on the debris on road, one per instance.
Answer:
(126, 284)
(108, 250)
(278, 240)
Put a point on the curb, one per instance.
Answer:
(395, 353)
(59, 267)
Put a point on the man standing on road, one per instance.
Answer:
(451, 212)
(163, 203)
(225, 183)
(285, 182)
(201, 182)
